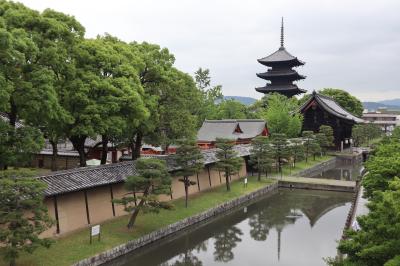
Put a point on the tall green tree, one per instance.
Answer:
(190, 161)
(362, 134)
(23, 217)
(152, 180)
(105, 95)
(261, 155)
(228, 161)
(345, 99)
(280, 149)
(282, 116)
(210, 96)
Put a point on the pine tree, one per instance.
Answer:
(297, 150)
(228, 162)
(189, 160)
(308, 140)
(23, 216)
(280, 148)
(152, 180)
(261, 155)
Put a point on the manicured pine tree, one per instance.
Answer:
(152, 180)
(308, 140)
(23, 216)
(261, 155)
(228, 162)
(189, 160)
(297, 150)
(328, 132)
(280, 148)
(322, 141)
(315, 148)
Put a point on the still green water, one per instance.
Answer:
(288, 227)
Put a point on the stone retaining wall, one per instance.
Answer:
(352, 211)
(326, 187)
(317, 168)
(172, 228)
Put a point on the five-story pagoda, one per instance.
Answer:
(280, 74)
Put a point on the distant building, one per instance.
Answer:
(322, 110)
(386, 121)
(241, 131)
(280, 74)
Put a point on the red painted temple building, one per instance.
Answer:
(241, 131)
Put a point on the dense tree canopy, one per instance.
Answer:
(282, 115)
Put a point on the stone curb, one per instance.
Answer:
(172, 228)
(316, 168)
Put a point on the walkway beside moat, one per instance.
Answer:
(316, 183)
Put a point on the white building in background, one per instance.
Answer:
(386, 121)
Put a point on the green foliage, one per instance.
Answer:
(282, 116)
(261, 155)
(17, 145)
(228, 161)
(152, 180)
(378, 241)
(189, 160)
(297, 150)
(328, 132)
(345, 99)
(230, 109)
(322, 142)
(280, 149)
(362, 134)
(23, 217)
(310, 143)
(382, 167)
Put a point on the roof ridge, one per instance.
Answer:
(84, 169)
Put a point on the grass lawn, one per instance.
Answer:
(288, 171)
(74, 247)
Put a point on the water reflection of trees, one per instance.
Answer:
(188, 258)
(225, 242)
(283, 210)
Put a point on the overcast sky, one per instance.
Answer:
(352, 45)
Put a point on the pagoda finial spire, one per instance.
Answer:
(282, 37)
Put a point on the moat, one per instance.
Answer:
(287, 227)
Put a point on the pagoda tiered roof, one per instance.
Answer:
(281, 75)
(281, 56)
(276, 74)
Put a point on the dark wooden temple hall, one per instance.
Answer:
(322, 110)
(280, 74)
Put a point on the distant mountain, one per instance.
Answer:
(394, 102)
(376, 105)
(242, 99)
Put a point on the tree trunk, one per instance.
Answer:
(12, 115)
(137, 209)
(258, 170)
(228, 185)
(104, 149)
(186, 182)
(79, 144)
(54, 155)
(138, 146)
(12, 262)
